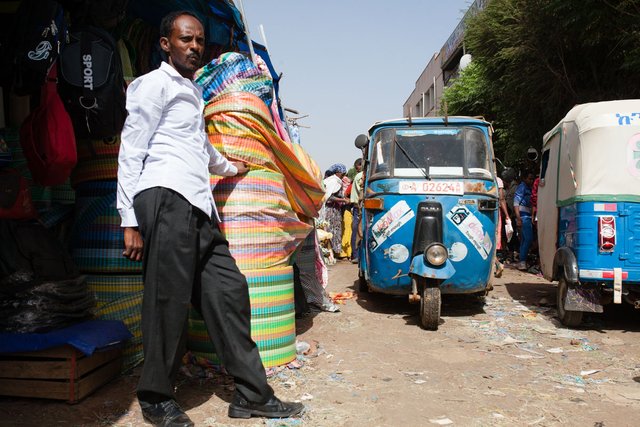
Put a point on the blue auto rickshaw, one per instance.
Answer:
(429, 211)
(589, 208)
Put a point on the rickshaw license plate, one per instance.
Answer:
(431, 187)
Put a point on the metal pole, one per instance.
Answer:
(246, 33)
(435, 102)
(264, 38)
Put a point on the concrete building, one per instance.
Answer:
(425, 99)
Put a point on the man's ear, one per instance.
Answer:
(164, 44)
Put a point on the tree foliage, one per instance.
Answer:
(533, 60)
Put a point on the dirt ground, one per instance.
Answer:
(507, 362)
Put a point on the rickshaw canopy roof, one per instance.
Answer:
(598, 152)
(430, 121)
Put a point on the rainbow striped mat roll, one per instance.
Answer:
(97, 160)
(129, 310)
(273, 325)
(108, 288)
(96, 237)
(240, 127)
(257, 220)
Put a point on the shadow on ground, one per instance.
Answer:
(393, 305)
(539, 296)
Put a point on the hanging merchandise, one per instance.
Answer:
(92, 84)
(15, 197)
(39, 31)
(104, 13)
(47, 137)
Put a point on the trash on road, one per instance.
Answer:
(341, 297)
(441, 421)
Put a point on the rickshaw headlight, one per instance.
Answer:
(436, 254)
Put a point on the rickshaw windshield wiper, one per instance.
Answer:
(423, 170)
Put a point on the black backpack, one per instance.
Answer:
(92, 85)
(39, 32)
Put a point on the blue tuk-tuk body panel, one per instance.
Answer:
(468, 238)
(578, 229)
(390, 255)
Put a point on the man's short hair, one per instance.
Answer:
(357, 162)
(166, 26)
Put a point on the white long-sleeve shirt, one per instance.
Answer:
(164, 143)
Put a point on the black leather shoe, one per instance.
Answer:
(165, 414)
(273, 408)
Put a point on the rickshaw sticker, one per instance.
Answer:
(633, 156)
(458, 252)
(391, 222)
(487, 243)
(397, 253)
(471, 227)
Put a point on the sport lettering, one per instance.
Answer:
(87, 71)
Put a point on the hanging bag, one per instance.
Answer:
(39, 32)
(47, 137)
(92, 84)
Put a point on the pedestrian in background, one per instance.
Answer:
(356, 198)
(522, 207)
(335, 201)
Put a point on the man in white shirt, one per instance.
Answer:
(171, 223)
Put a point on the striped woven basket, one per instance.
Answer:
(129, 310)
(108, 288)
(273, 326)
(96, 237)
(97, 160)
(257, 219)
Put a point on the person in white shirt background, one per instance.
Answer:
(171, 224)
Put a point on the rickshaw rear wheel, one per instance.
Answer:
(363, 287)
(568, 318)
(430, 303)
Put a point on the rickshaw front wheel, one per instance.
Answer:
(430, 303)
(568, 318)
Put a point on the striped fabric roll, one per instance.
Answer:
(257, 219)
(96, 237)
(108, 288)
(128, 310)
(272, 318)
(97, 160)
(235, 72)
(239, 125)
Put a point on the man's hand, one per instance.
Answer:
(241, 166)
(132, 244)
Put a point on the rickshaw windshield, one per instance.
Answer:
(438, 152)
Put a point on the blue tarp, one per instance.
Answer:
(220, 17)
(86, 336)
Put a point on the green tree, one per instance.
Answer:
(536, 59)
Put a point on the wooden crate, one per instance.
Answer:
(62, 373)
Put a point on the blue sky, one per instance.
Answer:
(349, 63)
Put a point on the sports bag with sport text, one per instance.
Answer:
(92, 85)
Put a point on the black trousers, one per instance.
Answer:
(187, 261)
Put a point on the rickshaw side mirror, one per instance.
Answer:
(362, 141)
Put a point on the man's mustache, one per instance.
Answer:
(193, 55)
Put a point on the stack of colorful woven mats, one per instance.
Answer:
(96, 247)
(261, 209)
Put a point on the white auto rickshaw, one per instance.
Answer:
(589, 208)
